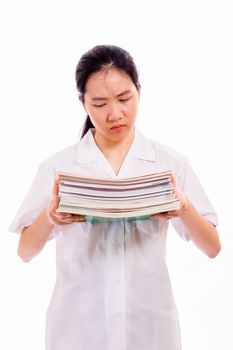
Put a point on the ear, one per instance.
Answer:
(81, 99)
(139, 92)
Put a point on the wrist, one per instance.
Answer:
(185, 206)
(48, 217)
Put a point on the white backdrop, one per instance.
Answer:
(183, 50)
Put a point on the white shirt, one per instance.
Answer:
(113, 289)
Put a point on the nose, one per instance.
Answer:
(115, 113)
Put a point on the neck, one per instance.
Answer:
(108, 145)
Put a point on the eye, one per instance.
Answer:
(125, 99)
(98, 106)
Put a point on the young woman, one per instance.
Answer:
(113, 290)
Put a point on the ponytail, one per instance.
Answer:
(86, 126)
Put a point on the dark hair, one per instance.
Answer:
(97, 59)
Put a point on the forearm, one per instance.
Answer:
(34, 237)
(202, 232)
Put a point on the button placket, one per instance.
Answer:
(115, 286)
(119, 272)
(117, 246)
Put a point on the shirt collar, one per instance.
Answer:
(88, 151)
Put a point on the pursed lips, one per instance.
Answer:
(117, 126)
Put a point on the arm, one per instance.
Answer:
(35, 236)
(202, 232)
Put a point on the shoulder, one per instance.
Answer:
(171, 159)
(63, 158)
(167, 156)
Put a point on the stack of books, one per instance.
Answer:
(121, 198)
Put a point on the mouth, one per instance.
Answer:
(117, 127)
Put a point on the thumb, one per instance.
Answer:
(55, 199)
(173, 181)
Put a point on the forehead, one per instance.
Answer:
(108, 81)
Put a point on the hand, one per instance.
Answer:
(60, 218)
(184, 203)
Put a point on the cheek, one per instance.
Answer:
(131, 109)
(95, 113)
(97, 117)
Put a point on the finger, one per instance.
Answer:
(55, 199)
(173, 212)
(158, 216)
(79, 220)
(56, 188)
(69, 221)
(73, 218)
(62, 216)
(62, 223)
(68, 218)
(173, 181)
(63, 220)
(77, 216)
(166, 215)
(69, 215)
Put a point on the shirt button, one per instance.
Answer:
(116, 245)
(119, 313)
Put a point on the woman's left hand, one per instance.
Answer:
(184, 203)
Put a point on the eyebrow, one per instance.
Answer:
(105, 98)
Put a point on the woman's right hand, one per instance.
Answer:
(56, 218)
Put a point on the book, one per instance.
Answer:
(128, 198)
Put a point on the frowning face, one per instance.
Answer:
(111, 100)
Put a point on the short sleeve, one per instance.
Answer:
(189, 184)
(36, 200)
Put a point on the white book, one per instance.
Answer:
(120, 198)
